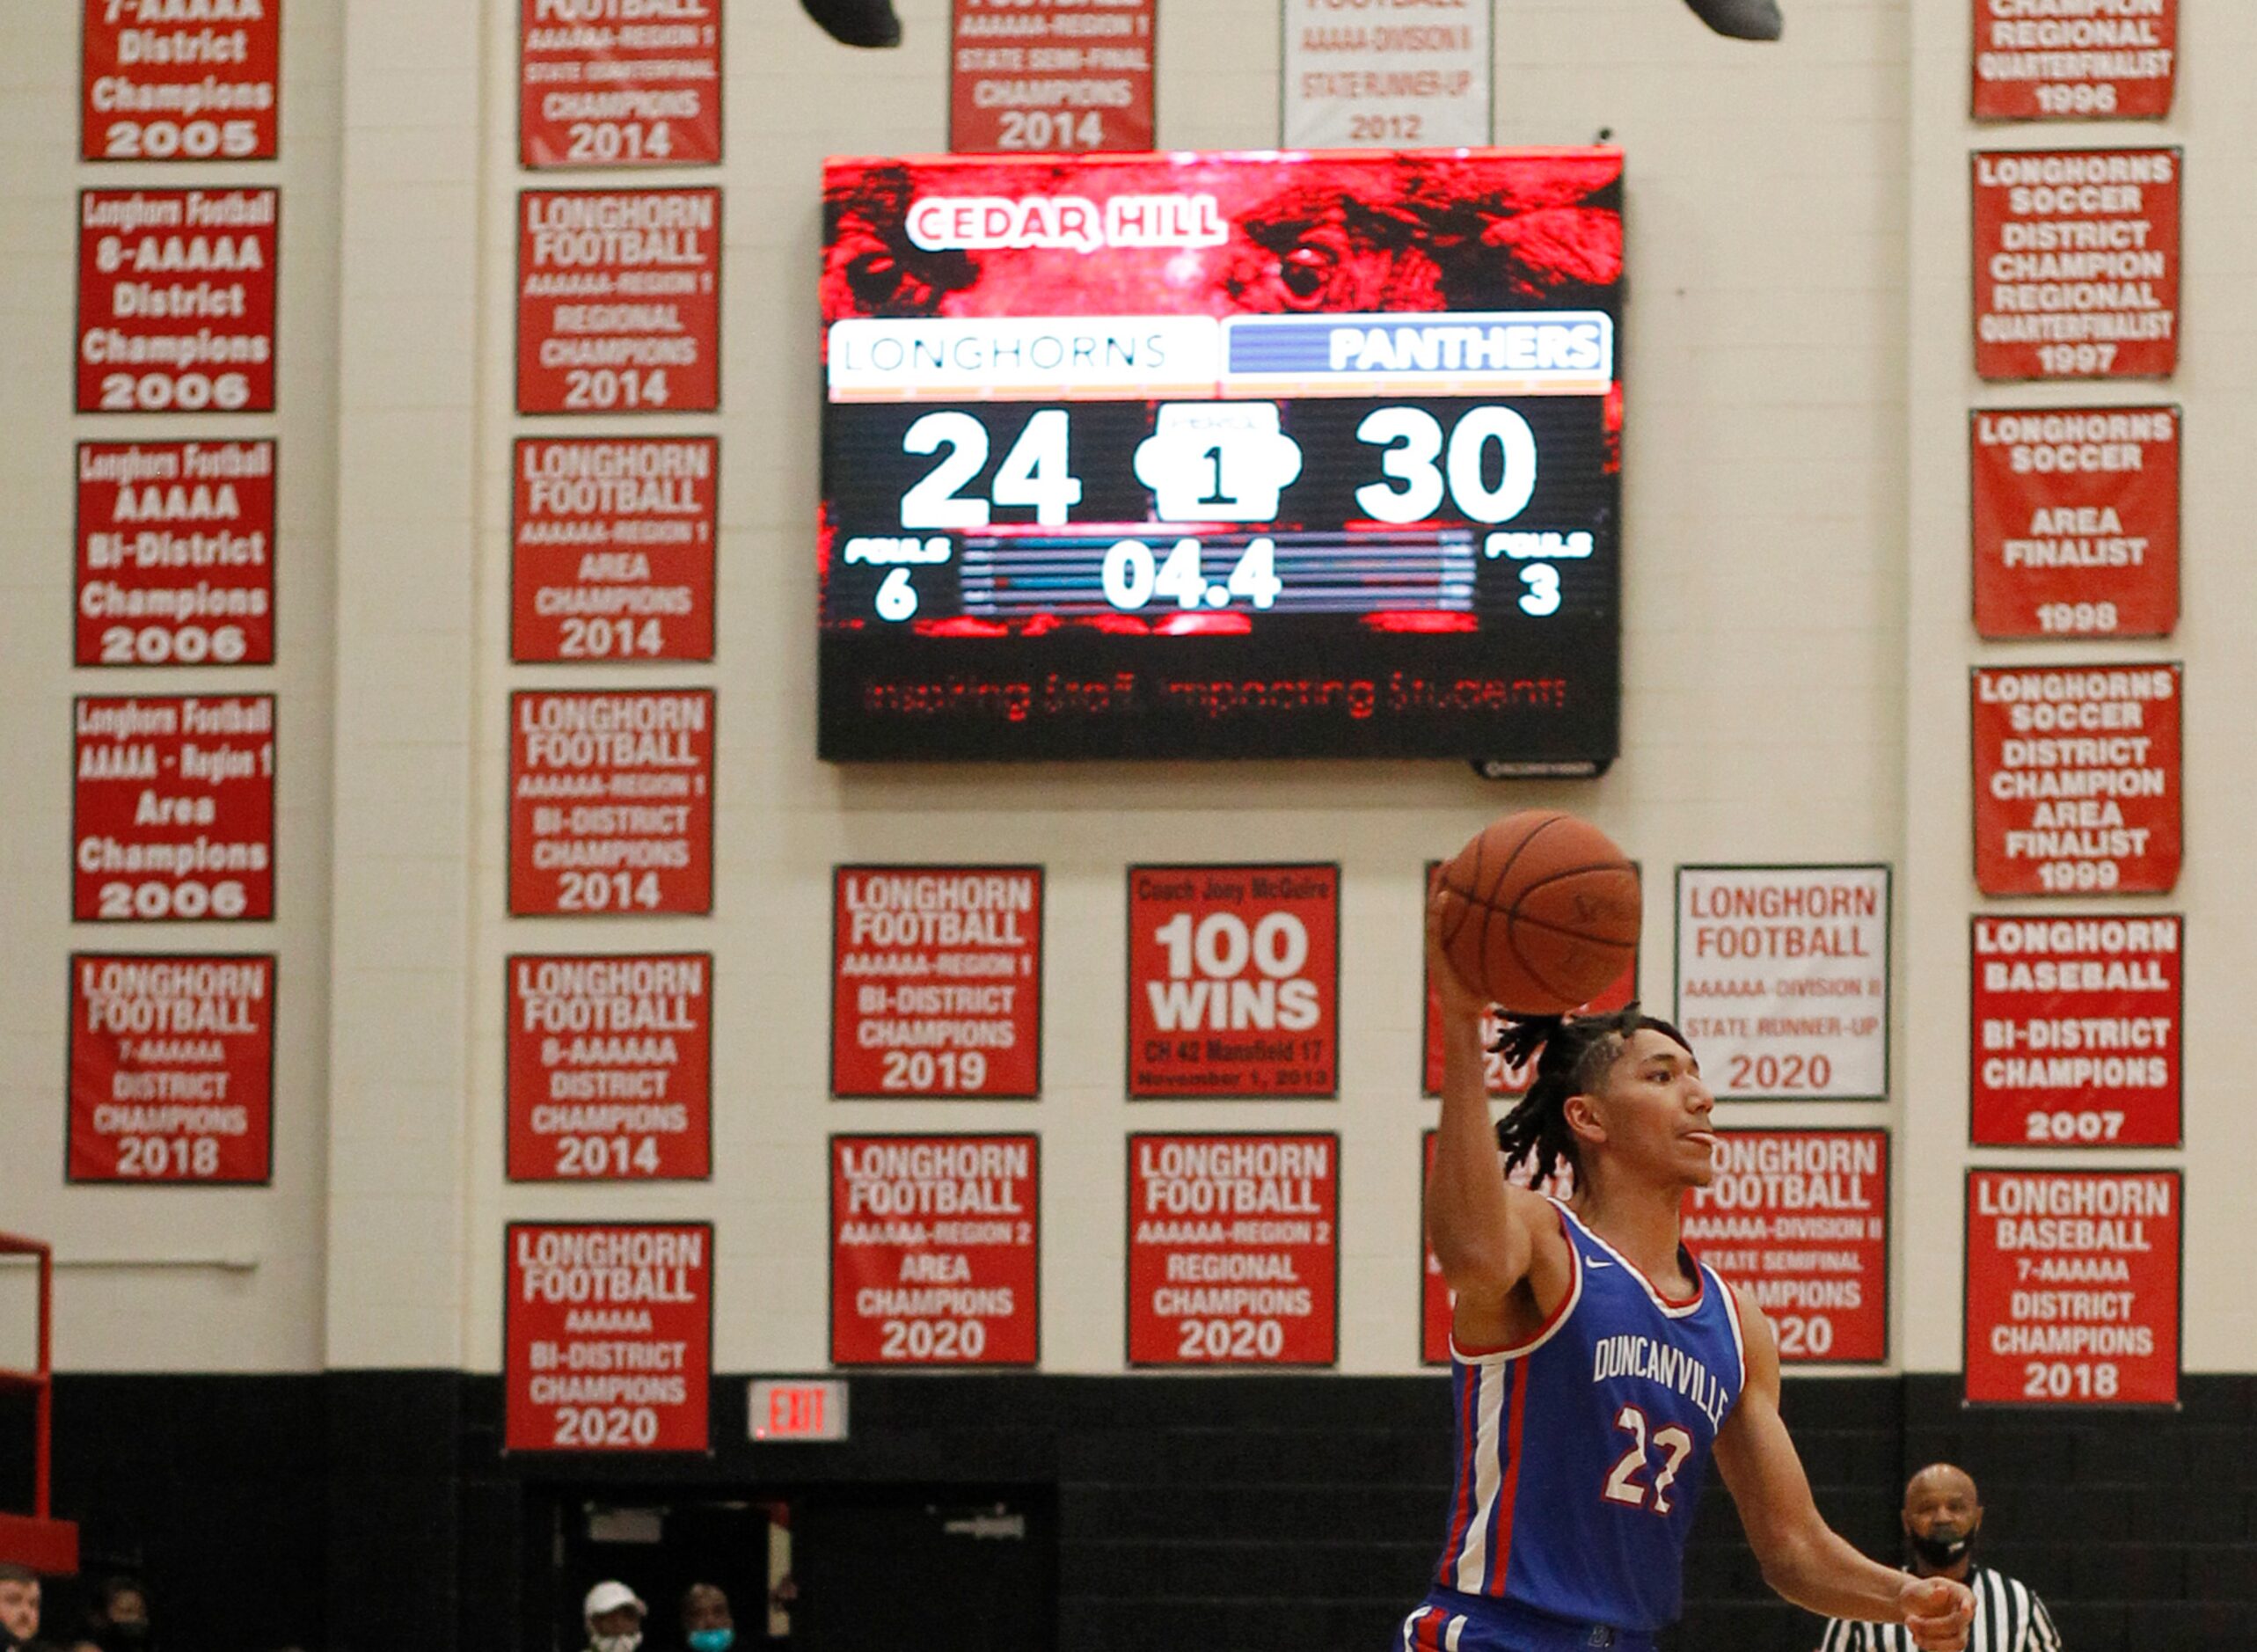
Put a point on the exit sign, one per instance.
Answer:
(798, 1410)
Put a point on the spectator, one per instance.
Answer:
(19, 1605)
(707, 1625)
(118, 1618)
(1942, 1513)
(615, 1618)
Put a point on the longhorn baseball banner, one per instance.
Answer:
(2077, 778)
(1233, 980)
(176, 554)
(2077, 263)
(172, 816)
(1233, 1250)
(611, 802)
(613, 84)
(2076, 1026)
(171, 1068)
(2076, 518)
(612, 548)
(618, 301)
(2072, 1287)
(611, 1068)
(1801, 1218)
(935, 1250)
(937, 981)
(1363, 76)
(176, 300)
(608, 1336)
(165, 80)
(1050, 76)
(2067, 60)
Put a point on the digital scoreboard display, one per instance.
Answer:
(1231, 454)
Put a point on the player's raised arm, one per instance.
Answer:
(1803, 1558)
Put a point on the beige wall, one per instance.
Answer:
(1795, 637)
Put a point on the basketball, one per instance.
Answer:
(1541, 912)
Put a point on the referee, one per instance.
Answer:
(1941, 1516)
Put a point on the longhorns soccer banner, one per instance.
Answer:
(172, 816)
(176, 554)
(2099, 59)
(609, 1066)
(608, 1336)
(611, 802)
(162, 81)
(2076, 522)
(602, 86)
(1050, 76)
(176, 300)
(2072, 1287)
(1365, 77)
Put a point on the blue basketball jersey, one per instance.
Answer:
(1580, 1452)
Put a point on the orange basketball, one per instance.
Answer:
(1540, 911)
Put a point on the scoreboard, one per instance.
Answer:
(1229, 454)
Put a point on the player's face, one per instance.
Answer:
(1656, 1110)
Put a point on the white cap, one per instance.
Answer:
(609, 1597)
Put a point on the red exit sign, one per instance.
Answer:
(798, 1411)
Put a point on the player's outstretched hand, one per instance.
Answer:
(1457, 998)
(1937, 1612)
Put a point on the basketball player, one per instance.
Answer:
(1596, 1365)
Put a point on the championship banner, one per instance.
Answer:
(2077, 1028)
(1436, 1301)
(610, 1068)
(2045, 60)
(1801, 1218)
(172, 1069)
(611, 801)
(1782, 980)
(1051, 76)
(935, 1250)
(618, 83)
(2076, 522)
(1233, 980)
(2072, 1287)
(619, 300)
(1233, 1250)
(176, 554)
(176, 300)
(611, 549)
(936, 987)
(164, 81)
(173, 815)
(1368, 78)
(2077, 263)
(608, 1336)
(1504, 1078)
(2077, 779)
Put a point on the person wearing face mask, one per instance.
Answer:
(615, 1618)
(1942, 1514)
(118, 1621)
(707, 1625)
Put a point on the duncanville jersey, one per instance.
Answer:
(1582, 1451)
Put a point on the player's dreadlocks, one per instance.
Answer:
(1577, 1051)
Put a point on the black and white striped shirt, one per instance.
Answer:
(2008, 1618)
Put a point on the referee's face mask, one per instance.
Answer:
(1941, 1516)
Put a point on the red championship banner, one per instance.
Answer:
(2076, 522)
(611, 1068)
(619, 83)
(1233, 1250)
(936, 981)
(611, 802)
(1233, 980)
(619, 300)
(2072, 1287)
(608, 1336)
(2077, 1032)
(180, 80)
(1504, 1078)
(2077, 263)
(172, 816)
(176, 300)
(611, 549)
(1050, 76)
(2077, 779)
(935, 1250)
(1801, 1218)
(176, 554)
(171, 1068)
(1436, 1301)
(2055, 60)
